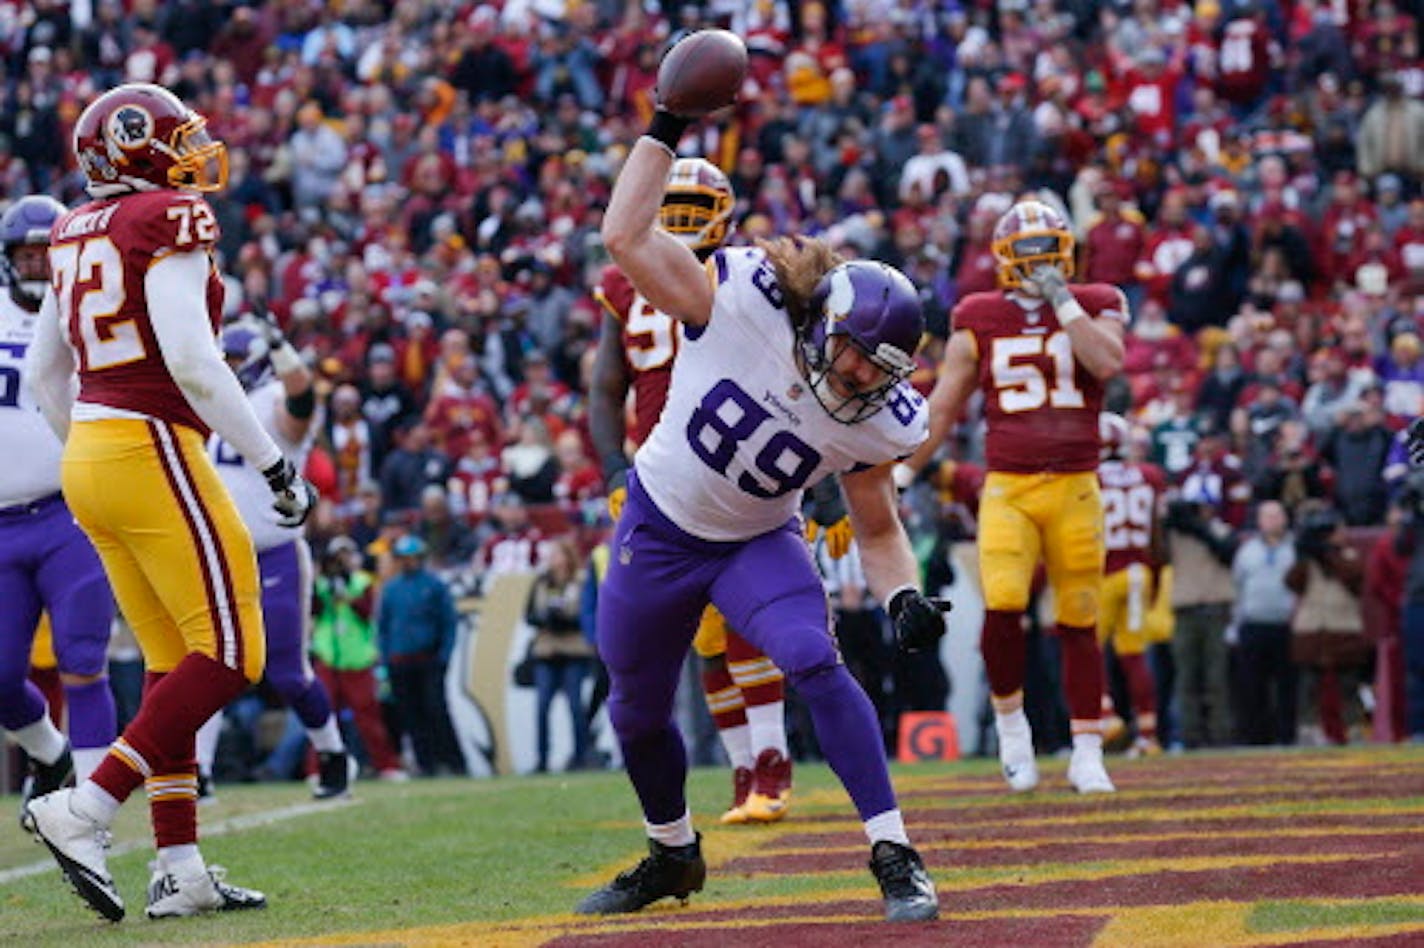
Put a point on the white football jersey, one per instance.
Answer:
(742, 434)
(246, 484)
(29, 441)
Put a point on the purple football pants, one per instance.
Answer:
(48, 564)
(659, 580)
(286, 600)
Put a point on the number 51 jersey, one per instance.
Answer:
(1041, 406)
(100, 255)
(742, 434)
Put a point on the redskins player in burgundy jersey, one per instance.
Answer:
(1039, 350)
(745, 691)
(133, 310)
(1133, 494)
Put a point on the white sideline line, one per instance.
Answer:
(230, 825)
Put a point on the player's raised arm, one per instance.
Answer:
(698, 75)
(662, 267)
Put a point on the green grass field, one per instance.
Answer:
(1317, 847)
(397, 855)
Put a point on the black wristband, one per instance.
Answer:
(667, 129)
(276, 475)
(302, 406)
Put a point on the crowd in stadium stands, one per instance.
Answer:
(416, 191)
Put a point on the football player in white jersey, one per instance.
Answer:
(46, 562)
(792, 368)
(279, 386)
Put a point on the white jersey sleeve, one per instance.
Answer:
(23, 430)
(246, 484)
(741, 434)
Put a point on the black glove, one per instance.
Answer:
(1414, 442)
(918, 620)
(293, 496)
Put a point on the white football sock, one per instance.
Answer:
(889, 825)
(41, 740)
(737, 742)
(768, 724)
(677, 833)
(327, 738)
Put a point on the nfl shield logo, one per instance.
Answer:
(794, 392)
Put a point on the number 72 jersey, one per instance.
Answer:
(100, 255)
(1041, 406)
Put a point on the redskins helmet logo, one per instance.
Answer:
(130, 127)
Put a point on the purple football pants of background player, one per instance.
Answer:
(47, 563)
(286, 579)
(659, 580)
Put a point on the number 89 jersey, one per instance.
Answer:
(742, 434)
(1040, 405)
(99, 257)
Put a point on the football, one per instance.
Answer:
(702, 73)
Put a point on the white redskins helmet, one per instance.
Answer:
(697, 204)
(1029, 235)
(1115, 434)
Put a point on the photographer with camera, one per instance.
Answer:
(1201, 520)
(1327, 630)
(344, 653)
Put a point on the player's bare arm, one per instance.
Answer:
(662, 268)
(51, 369)
(958, 375)
(606, 398)
(885, 551)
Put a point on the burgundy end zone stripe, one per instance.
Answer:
(162, 438)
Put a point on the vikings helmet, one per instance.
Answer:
(697, 204)
(244, 345)
(877, 309)
(27, 222)
(139, 137)
(1030, 235)
(1115, 435)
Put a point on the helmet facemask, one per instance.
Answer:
(847, 390)
(1030, 235)
(697, 205)
(199, 162)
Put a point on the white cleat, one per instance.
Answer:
(1020, 768)
(1087, 774)
(170, 896)
(78, 845)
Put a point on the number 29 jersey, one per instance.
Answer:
(742, 434)
(100, 255)
(1040, 405)
(1132, 494)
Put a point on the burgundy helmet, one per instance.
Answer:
(877, 308)
(140, 137)
(697, 204)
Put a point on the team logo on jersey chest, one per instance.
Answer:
(795, 391)
(130, 127)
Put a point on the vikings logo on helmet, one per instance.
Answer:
(138, 137)
(697, 204)
(1030, 235)
(27, 222)
(1115, 434)
(878, 309)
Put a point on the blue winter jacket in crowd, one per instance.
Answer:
(417, 617)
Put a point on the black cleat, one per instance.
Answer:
(909, 893)
(332, 777)
(675, 871)
(43, 779)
